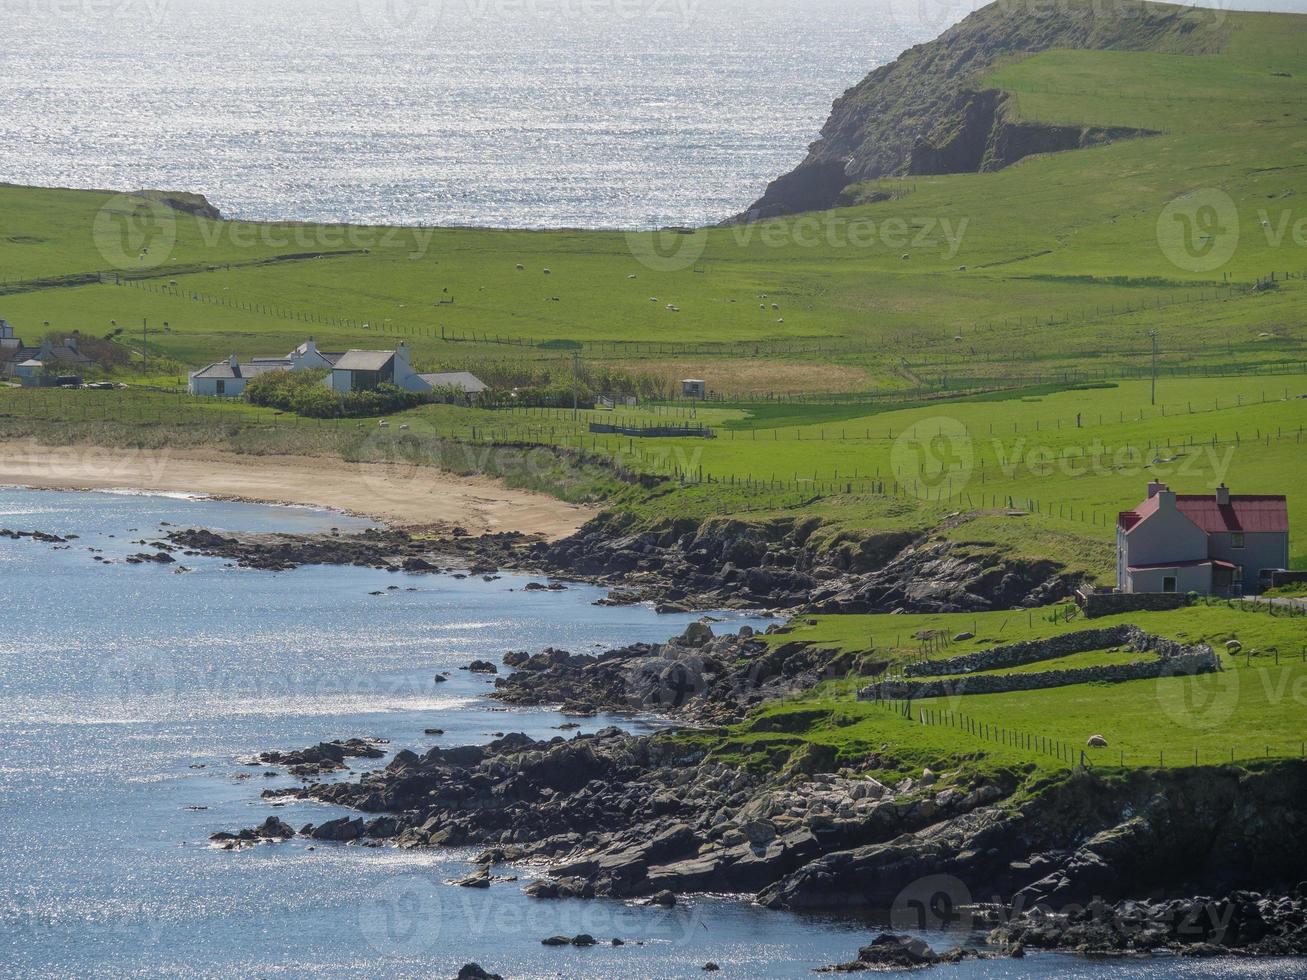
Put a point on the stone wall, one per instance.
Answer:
(1029, 652)
(1172, 659)
(1095, 604)
(1202, 661)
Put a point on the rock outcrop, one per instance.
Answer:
(685, 564)
(927, 111)
(695, 677)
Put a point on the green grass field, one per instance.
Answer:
(1250, 710)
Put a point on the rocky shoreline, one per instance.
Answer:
(1014, 857)
(681, 566)
(1101, 865)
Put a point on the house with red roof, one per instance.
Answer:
(1214, 544)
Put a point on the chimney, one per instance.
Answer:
(6, 331)
(1165, 499)
(1222, 496)
(71, 342)
(401, 354)
(310, 346)
(1154, 488)
(233, 362)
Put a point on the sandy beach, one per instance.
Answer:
(402, 496)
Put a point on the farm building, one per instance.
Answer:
(354, 370)
(1213, 544)
(363, 370)
(462, 381)
(226, 379)
(694, 388)
(30, 365)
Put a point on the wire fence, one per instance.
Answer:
(1083, 756)
(986, 484)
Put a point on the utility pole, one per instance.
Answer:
(576, 368)
(1153, 334)
(145, 354)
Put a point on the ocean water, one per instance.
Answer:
(131, 698)
(525, 113)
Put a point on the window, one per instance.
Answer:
(221, 387)
(1236, 540)
(1238, 573)
(1169, 584)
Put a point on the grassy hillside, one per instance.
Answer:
(1061, 263)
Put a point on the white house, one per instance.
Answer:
(226, 379)
(307, 357)
(1214, 544)
(28, 364)
(354, 370)
(363, 370)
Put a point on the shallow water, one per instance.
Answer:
(130, 696)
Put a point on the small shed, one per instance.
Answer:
(462, 381)
(694, 388)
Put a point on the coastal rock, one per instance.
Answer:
(889, 951)
(921, 114)
(324, 757)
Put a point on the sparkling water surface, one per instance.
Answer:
(131, 697)
(524, 113)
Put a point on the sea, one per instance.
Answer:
(133, 698)
(522, 113)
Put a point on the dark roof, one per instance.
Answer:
(364, 360)
(224, 370)
(1250, 513)
(462, 380)
(331, 357)
(58, 353)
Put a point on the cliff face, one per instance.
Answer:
(924, 112)
(985, 137)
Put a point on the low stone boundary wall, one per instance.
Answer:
(1032, 651)
(1172, 658)
(1202, 661)
(1095, 604)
